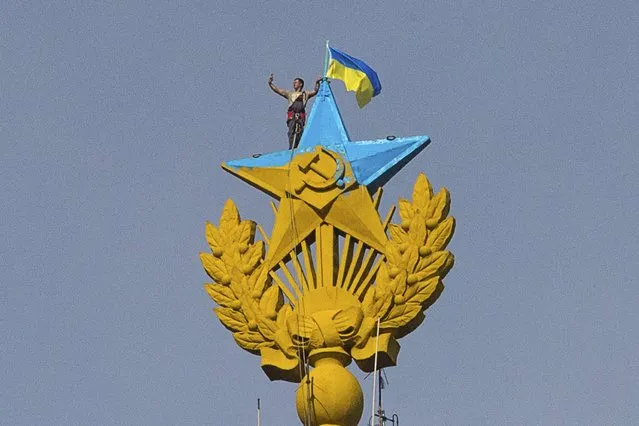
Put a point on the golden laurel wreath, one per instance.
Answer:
(408, 280)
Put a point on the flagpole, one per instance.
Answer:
(326, 60)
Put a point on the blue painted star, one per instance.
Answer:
(373, 162)
(340, 198)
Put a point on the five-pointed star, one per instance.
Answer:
(372, 163)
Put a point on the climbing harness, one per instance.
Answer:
(299, 119)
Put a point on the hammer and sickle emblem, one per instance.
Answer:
(320, 171)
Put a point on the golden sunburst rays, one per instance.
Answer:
(328, 258)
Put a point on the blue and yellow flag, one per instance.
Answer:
(356, 75)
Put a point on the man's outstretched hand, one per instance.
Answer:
(270, 79)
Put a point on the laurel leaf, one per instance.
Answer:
(376, 303)
(214, 239)
(214, 267)
(439, 206)
(253, 255)
(439, 263)
(410, 292)
(393, 255)
(259, 279)
(417, 230)
(382, 281)
(250, 307)
(230, 217)
(397, 233)
(422, 192)
(439, 237)
(267, 327)
(410, 258)
(221, 294)
(244, 233)
(405, 210)
(271, 300)
(239, 283)
(398, 284)
(232, 319)
(439, 289)
(401, 315)
(250, 340)
(424, 290)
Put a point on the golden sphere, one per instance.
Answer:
(337, 398)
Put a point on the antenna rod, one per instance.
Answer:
(258, 412)
(326, 55)
(380, 386)
(375, 370)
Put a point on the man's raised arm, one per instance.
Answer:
(316, 89)
(274, 87)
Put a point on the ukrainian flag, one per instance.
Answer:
(356, 75)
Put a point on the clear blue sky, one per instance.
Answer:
(114, 117)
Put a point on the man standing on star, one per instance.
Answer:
(296, 113)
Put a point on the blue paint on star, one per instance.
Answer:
(325, 125)
(373, 162)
